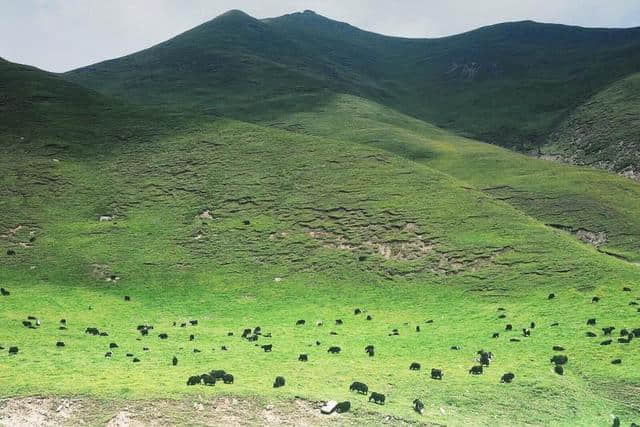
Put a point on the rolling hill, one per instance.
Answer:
(604, 131)
(261, 172)
(507, 84)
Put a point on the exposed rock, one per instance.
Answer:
(329, 407)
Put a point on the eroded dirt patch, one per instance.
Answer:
(227, 411)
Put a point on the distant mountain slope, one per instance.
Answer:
(43, 109)
(604, 131)
(507, 84)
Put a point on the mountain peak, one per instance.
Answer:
(235, 13)
(233, 17)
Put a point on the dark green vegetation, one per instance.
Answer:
(508, 84)
(604, 131)
(323, 204)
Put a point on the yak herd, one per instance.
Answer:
(483, 358)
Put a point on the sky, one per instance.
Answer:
(60, 35)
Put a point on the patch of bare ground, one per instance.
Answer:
(227, 411)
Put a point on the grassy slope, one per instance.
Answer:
(509, 84)
(604, 131)
(477, 252)
(552, 193)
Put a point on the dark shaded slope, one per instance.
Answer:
(604, 131)
(508, 83)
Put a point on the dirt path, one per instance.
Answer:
(227, 411)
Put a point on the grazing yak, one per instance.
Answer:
(227, 379)
(616, 361)
(267, 347)
(595, 299)
(558, 369)
(359, 387)
(174, 361)
(279, 382)
(339, 322)
(495, 335)
(369, 350)
(13, 350)
(415, 366)
(194, 380)
(507, 378)
(606, 342)
(108, 354)
(591, 322)
(558, 348)
(591, 334)
(192, 337)
(357, 311)
(485, 357)
(303, 358)
(514, 340)
(208, 379)
(418, 406)
(476, 370)
(193, 322)
(333, 350)
(4, 292)
(218, 374)
(456, 347)
(343, 407)
(551, 296)
(246, 333)
(608, 330)
(378, 398)
(559, 359)
(59, 344)
(163, 336)
(369, 317)
(113, 345)
(437, 374)
(300, 322)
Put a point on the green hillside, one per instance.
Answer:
(507, 84)
(239, 225)
(595, 206)
(604, 131)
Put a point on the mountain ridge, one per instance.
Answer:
(510, 84)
